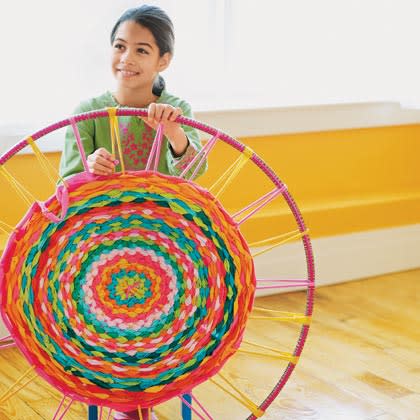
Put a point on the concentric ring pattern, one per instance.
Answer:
(141, 293)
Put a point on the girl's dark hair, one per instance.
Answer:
(161, 27)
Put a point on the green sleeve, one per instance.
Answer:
(177, 165)
(71, 162)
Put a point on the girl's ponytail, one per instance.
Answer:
(158, 85)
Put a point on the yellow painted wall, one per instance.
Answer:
(343, 181)
(349, 180)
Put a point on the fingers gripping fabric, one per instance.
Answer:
(139, 294)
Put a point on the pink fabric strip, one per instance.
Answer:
(6, 338)
(158, 139)
(202, 154)
(270, 197)
(210, 145)
(151, 155)
(65, 411)
(205, 154)
(155, 150)
(5, 346)
(79, 143)
(258, 201)
(62, 196)
(109, 414)
(59, 407)
(284, 280)
(201, 406)
(192, 408)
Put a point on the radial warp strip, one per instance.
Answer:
(141, 293)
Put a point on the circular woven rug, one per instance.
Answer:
(141, 292)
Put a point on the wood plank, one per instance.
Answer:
(383, 385)
(360, 362)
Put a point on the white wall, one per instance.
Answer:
(229, 53)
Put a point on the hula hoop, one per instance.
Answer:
(309, 283)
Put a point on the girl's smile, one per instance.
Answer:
(127, 74)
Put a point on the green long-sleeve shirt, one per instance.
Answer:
(136, 138)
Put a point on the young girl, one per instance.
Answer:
(142, 43)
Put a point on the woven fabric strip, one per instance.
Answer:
(141, 293)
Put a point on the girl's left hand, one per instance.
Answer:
(166, 115)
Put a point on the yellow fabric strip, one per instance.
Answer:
(115, 135)
(118, 139)
(235, 388)
(46, 165)
(23, 193)
(248, 152)
(297, 318)
(232, 172)
(273, 238)
(39, 155)
(244, 400)
(28, 196)
(112, 138)
(11, 391)
(290, 238)
(248, 404)
(226, 173)
(149, 412)
(112, 112)
(280, 315)
(281, 354)
(6, 228)
(288, 357)
(228, 170)
(259, 308)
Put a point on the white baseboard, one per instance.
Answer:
(341, 258)
(346, 257)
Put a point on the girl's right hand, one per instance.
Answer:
(101, 162)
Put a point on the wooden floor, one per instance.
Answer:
(361, 361)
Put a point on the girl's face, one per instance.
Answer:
(135, 57)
